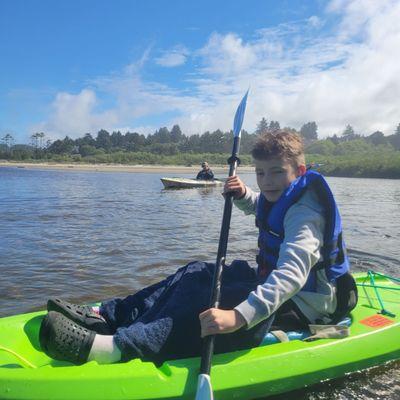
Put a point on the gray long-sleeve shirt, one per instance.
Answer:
(300, 251)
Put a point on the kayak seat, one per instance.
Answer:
(271, 338)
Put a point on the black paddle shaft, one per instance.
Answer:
(208, 342)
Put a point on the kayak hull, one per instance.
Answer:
(184, 183)
(27, 373)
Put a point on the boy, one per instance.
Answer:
(302, 277)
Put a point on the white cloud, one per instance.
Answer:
(349, 75)
(298, 72)
(227, 54)
(74, 115)
(174, 57)
(315, 21)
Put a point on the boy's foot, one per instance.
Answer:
(82, 315)
(64, 340)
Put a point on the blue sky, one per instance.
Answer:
(72, 67)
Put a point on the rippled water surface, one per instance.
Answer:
(94, 235)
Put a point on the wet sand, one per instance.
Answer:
(219, 169)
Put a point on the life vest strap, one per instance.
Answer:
(263, 225)
(347, 296)
(268, 249)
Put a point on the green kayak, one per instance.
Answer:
(27, 373)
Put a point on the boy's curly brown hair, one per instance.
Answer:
(280, 144)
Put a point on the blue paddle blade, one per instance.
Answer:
(238, 121)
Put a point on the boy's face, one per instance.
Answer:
(275, 175)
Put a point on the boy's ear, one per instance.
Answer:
(301, 170)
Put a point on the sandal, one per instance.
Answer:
(64, 340)
(82, 315)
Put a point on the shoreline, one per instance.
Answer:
(218, 169)
(120, 167)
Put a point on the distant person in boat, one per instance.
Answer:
(205, 174)
(302, 277)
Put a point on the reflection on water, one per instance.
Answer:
(94, 235)
(382, 382)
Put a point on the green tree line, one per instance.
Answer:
(348, 154)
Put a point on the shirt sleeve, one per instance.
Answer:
(300, 251)
(248, 203)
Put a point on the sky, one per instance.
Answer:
(70, 67)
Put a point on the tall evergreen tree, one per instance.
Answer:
(176, 134)
(35, 140)
(335, 139)
(160, 136)
(309, 131)
(8, 140)
(41, 137)
(395, 139)
(65, 146)
(262, 126)
(274, 126)
(134, 142)
(88, 140)
(117, 139)
(103, 140)
(376, 138)
(348, 133)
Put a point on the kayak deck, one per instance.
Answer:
(27, 373)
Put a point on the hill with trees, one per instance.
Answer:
(349, 154)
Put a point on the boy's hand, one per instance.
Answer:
(234, 185)
(214, 321)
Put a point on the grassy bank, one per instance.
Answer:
(360, 165)
(366, 165)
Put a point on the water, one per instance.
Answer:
(87, 236)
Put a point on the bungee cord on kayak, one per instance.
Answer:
(371, 277)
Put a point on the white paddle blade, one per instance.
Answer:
(204, 389)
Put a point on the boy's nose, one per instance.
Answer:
(267, 179)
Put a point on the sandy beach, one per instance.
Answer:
(178, 169)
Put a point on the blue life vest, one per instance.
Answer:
(269, 220)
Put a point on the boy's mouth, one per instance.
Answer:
(271, 192)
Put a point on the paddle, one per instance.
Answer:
(204, 388)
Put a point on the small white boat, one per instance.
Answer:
(189, 183)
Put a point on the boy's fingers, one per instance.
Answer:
(233, 184)
(204, 314)
(209, 329)
(232, 180)
(206, 323)
(232, 187)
